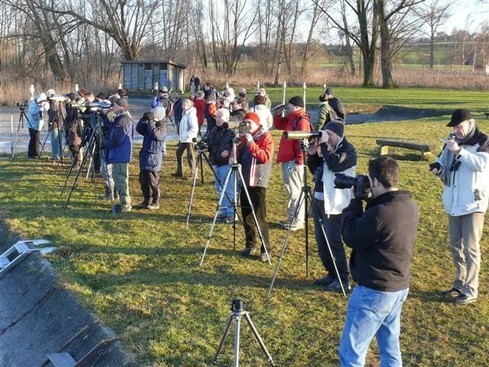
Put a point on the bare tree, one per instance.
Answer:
(125, 21)
(434, 14)
(231, 28)
(364, 34)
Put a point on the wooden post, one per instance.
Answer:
(304, 87)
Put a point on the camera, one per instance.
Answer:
(243, 129)
(22, 105)
(296, 135)
(360, 184)
(237, 305)
(201, 144)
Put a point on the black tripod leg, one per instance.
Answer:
(192, 191)
(221, 197)
(215, 359)
(323, 230)
(301, 200)
(258, 338)
(89, 147)
(254, 214)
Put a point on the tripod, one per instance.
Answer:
(20, 125)
(235, 171)
(89, 141)
(237, 313)
(304, 198)
(199, 163)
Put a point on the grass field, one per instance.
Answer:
(140, 274)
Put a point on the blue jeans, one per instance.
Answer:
(226, 207)
(372, 313)
(57, 138)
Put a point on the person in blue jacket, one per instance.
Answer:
(118, 143)
(152, 127)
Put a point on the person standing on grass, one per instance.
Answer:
(153, 128)
(221, 141)
(463, 166)
(328, 155)
(330, 108)
(118, 143)
(189, 128)
(255, 153)
(35, 123)
(382, 240)
(292, 159)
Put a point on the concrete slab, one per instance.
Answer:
(37, 317)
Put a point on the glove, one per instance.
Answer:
(150, 116)
(249, 138)
(435, 165)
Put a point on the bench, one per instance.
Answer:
(424, 148)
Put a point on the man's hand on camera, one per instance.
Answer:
(436, 168)
(249, 138)
(324, 137)
(452, 146)
(313, 146)
(225, 153)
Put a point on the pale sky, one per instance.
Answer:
(467, 14)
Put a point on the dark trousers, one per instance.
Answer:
(34, 147)
(258, 198)
(150, 186)
(190, 157)
(332, 227)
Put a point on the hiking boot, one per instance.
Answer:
(335, 286)
(154, 206)
(464, 299)
(264, 257)
(126, 208)
(221, 217)
(246, 252)
(230, 219)
(294, 227)
(176, 174)
(326, 280)
(142, 205)
(451, 293)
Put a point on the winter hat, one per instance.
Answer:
(159, 113)
(50, 92)
(297, 101)
(122, 102)
(459, 116)
(336, 126)
(71, 96)
(163, 90)
(253, 117)
(328, 91)
(41, 98)
(224, 114)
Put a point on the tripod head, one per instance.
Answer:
(237, 305)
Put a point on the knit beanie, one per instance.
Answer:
(123, 103)
(297, 101)
(159, 113)
(253, 117)
(336, 126)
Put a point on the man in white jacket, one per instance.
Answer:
(331, 154)
(187, 134)
(463, 166)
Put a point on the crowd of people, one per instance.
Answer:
(380, 230)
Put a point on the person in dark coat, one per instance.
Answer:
(153, 128)
(382, 240)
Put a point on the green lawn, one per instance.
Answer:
(140, 272)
